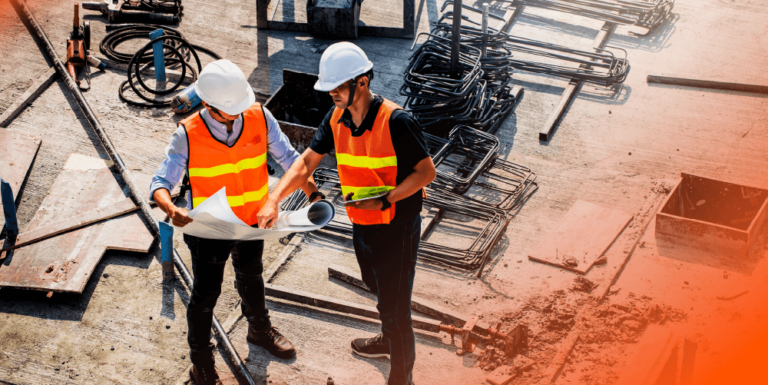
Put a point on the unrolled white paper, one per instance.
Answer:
(214, 219)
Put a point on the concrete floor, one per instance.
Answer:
(612, 148)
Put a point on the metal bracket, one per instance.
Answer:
(514, 340)
(468, 339)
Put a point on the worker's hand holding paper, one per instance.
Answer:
(214, 219)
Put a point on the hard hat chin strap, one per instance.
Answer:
(352, 87)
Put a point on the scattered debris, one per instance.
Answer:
(583, 284)
(606, 331)
(602, 260)
(570, 262)
(523, 363)
(491, 358)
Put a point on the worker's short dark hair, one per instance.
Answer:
(369, 75)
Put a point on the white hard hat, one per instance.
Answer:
(224, 86)
(341, 62)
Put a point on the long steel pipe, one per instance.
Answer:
(219, 332)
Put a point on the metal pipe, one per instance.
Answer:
(485, 30)
(221, 335)
(456, 41)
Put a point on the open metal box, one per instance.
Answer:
(710, 214)
(298, 107)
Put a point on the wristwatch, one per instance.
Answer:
(384, 202)
(315, 195)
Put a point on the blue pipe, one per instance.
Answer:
(159, 56)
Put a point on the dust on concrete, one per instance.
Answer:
(607, 330)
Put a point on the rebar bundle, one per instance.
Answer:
(601, 68)
(502, 184)
(492, 223)
(461, 159)
(467, 163)
(642, 13)
(482, 98)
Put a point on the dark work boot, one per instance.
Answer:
(205, 375)
(273, 341)
(375, 347)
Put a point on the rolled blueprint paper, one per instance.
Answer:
(319, 213)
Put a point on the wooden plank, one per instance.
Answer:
(565, 100)
(339, 305)
(96, 215)
(558, 362)
(511, 22)
(284, 257)
(28, 97)
(418, 304)
(573, 86)
(584, 233)
(675, 81)
(17, 152)
(65, 263)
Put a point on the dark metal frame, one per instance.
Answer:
(406, 32)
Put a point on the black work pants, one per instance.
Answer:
(209, 257)
(387, 258)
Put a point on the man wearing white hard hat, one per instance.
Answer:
(380, 154)
(225, 145)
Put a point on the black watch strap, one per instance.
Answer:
(315, 195)
(385, 204)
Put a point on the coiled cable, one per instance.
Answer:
(178, 53)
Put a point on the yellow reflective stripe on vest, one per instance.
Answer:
(365, 161)
(365, 192)
(229, 168)
(239, 200)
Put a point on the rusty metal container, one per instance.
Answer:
(298, 108)
(713, 215)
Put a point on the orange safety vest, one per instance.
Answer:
(242, 168)
(367, 164)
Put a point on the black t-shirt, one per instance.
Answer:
(407, 140)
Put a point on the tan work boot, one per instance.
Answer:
(273, 341)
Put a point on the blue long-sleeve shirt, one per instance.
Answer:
(177, 153)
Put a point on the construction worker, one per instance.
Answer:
(379, 150)
(225, 145)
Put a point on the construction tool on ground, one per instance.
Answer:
(240, 369)
(77, 45)
(138, 11)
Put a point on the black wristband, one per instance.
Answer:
(385, 204)
(315, 195)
